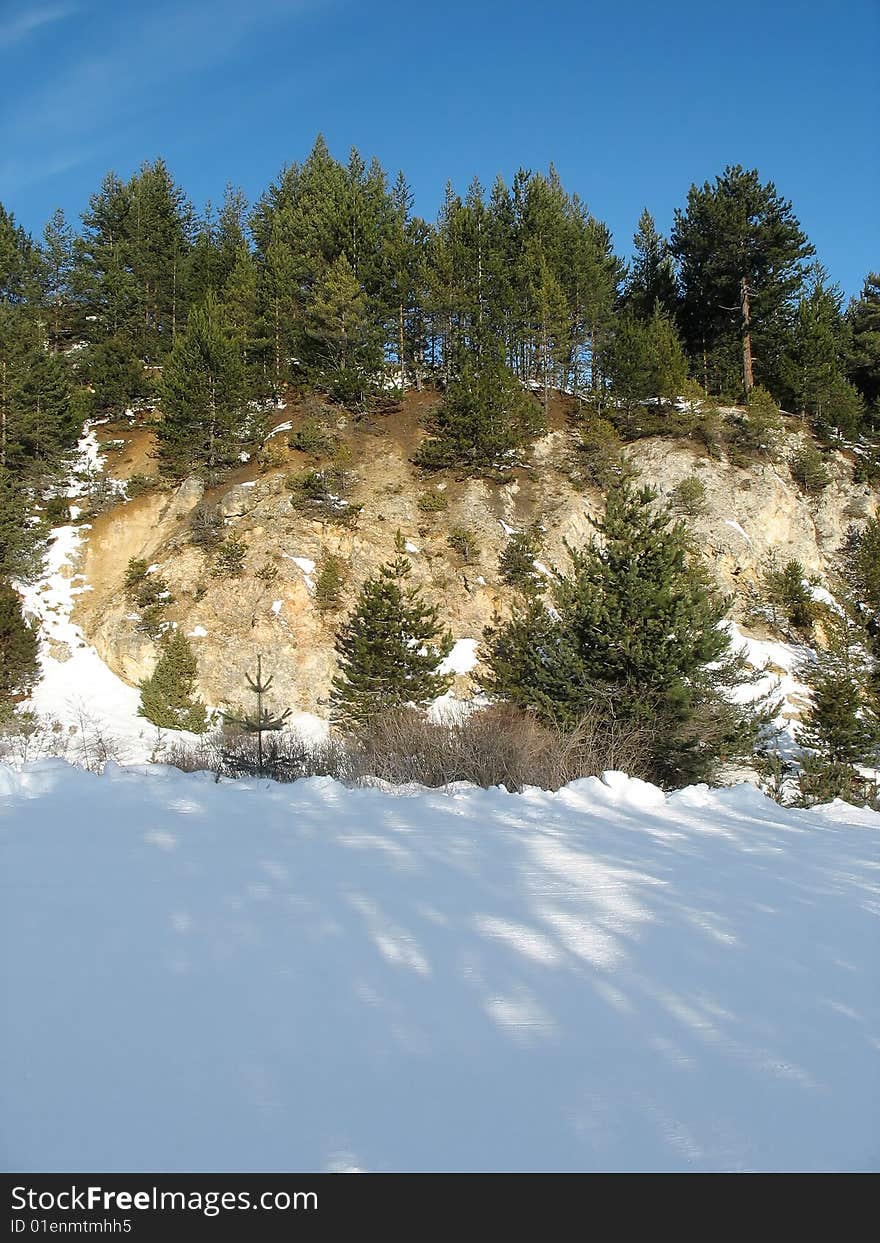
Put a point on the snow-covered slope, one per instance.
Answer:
(251, 976)
(95, 711)
(76, 688)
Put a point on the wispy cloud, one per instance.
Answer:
(32, 19)
(120, 71)
(17, 173)
(159, 48)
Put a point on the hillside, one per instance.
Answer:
(254, 976)
(751, 513)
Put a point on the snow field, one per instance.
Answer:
(247, 976)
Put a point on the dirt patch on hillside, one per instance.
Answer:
(130, 449)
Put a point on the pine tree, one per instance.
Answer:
(18, 647)
(279, 293)
(231, 238)
(390, 649)
(19, 553)
(644, 360)
(841, 723)
(343, 344)
(516, 564)
(328, 585)
(262, 721)
(863, 317)
(551, 320)
(841, 728)
(160, 230)
(741, 251)
(57, 264)
(168, 695)
(814, 367)
(651, 278)
(406, 254)
(861, 569)
(597, 272)
(19, 265)
(753, 435)
(202, 394)
(484, 418)
(104, 281)
(633, 635)
(788, 598)
(116, 374)
(241, 304)
(42, 424)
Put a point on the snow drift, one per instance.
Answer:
(259, 977)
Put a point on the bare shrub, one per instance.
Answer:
(26, 737)
(496, 746)
(231, 752)
(192, 757)
(491, 747)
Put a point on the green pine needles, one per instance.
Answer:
(485, 417)
(390, 649)
(168, 695)
(18, 648)
(631, 634)
(262, 721)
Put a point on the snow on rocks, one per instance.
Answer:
(780, 663)
(821, 595)
(276, 431)
(307, 566)
(256, 977)
(462, 659)
(447, 709)
(728, 522)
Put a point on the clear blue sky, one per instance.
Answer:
(632, 100)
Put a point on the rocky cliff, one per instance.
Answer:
(750, 515)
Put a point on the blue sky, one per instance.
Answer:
(633, 101)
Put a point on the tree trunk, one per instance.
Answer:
(277, 346)
(260, 713)
(545, 345)
(748, 372)
(174, 300)
(213, 422)
(3, 412)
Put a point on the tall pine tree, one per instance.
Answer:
(633, 636)
(651, 278)
(741, 251)
(202, 394)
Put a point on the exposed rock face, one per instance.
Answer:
(750, 513)
(755, 513)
